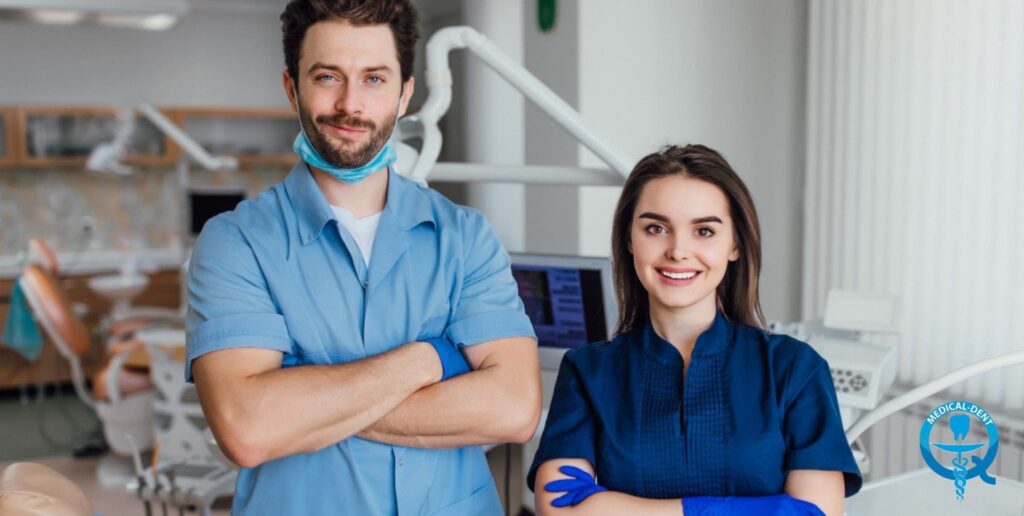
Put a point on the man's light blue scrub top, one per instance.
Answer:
(277, 273)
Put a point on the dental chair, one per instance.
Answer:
(122, 398)
(42, 255)
(134, 318)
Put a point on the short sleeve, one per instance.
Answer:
(229, 304)
(489, 306)
(814, 433)
(569, 432)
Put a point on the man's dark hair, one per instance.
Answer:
(400, 15)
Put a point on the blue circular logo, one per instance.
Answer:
(959, 415)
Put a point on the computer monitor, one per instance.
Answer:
(569, 300)
(205, 203)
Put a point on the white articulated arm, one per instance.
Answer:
(106, 156)
(191, 148)
(439, 83)
(923, 391)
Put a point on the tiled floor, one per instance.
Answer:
(107, 501)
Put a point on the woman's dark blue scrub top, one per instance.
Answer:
(752, 407)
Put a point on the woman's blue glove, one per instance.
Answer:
(452, 362)
(576, 489)
(780, 504)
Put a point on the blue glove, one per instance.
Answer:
(452, 362)
(576, 489)
(780, 504)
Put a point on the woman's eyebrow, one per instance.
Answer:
(705, 220)
(656, 216)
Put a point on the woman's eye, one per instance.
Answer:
(705, 232)
(655, 229)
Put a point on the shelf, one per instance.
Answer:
(253, 136)
(57, 136)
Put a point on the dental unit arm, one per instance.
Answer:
(423, 124)
(106, 157)
(923, 391)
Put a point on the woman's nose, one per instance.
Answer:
(679, 249)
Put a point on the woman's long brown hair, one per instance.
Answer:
(737, 294)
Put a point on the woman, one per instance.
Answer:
(692, 401)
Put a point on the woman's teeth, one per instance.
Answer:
(678, 275)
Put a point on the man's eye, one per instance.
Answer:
(375, 79)
(324, 78)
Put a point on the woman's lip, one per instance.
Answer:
(677, 282)
(675, 270)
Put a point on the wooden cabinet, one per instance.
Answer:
(8, 132)
(63, 136)
(55, 136)
(254, 136)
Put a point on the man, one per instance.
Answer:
(325, 313)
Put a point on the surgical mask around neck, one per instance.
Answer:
(384, 158)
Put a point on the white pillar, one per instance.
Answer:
(495, 118)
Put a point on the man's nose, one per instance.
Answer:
(350, 100)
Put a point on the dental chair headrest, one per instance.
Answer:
(29, 489)
(48, 302)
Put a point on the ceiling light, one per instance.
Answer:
(139, 14)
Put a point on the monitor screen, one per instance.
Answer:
(206, 204)
(568, 299)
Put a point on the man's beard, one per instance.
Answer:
(340, 158)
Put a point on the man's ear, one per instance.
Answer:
(407, 90)
(289, 89)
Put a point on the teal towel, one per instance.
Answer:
(20, 332)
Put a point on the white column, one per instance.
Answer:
(495, 118)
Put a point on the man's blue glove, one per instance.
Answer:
(452, 362)
(576, 489)
(780, 504)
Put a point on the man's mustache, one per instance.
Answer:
(346, 120)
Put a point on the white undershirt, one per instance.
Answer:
(364, 230)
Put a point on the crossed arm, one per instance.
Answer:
(822, 488)
(259, 411)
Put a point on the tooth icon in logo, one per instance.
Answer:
(960, 424)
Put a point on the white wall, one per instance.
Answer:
(211, 58)
(552, 223)
(729, 74)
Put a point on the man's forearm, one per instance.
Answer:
(301, 409)
(499, 402)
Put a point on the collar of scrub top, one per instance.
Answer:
(714, 341)
(407, 204)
